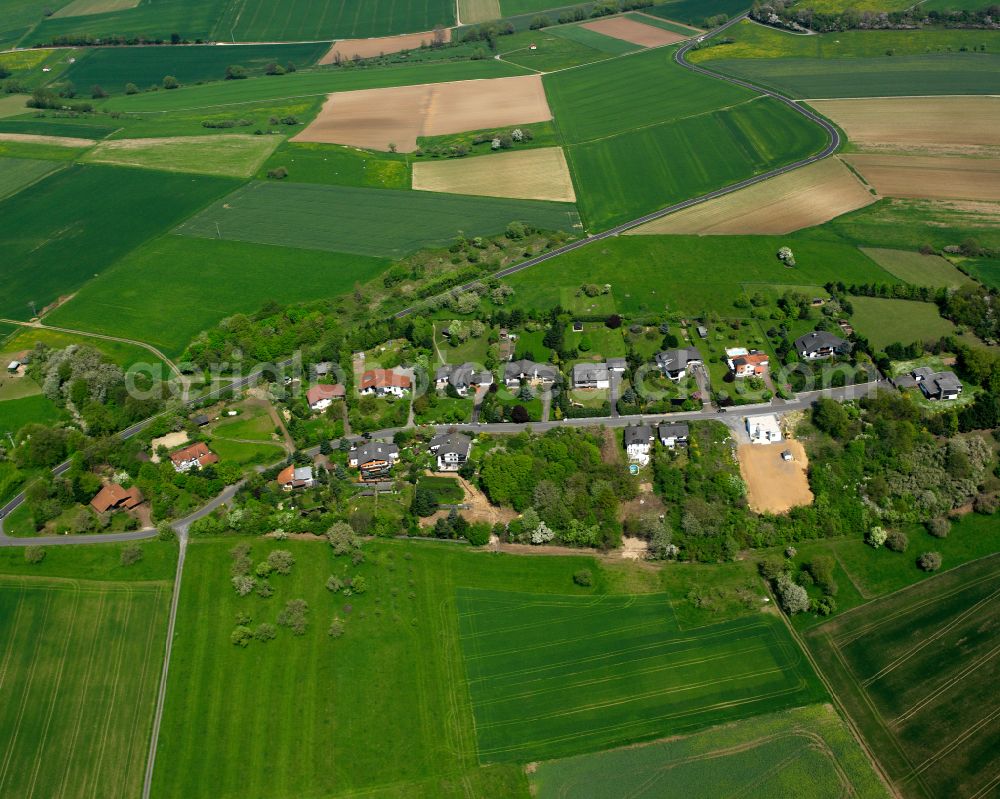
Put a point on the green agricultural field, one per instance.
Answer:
(16, 413)
(595, 40)
(552, 676)
(551, 52)
(300, 20)
(316, 82)
(691, 274)
(41, 152)
(16, 173)
(352, 220)
(125, 355)
(44, 127)
(209, 280)
(81, 670)
(393, 683)
(339, 166)
(664, 24)
(915, 673)
(806, 752)
(905, 321)
(113, 67)
(19, 17)
(817, 78)
(985, 270)
(921, 270)
(236, 156)
(71, 225)
(12, 105)
(543, 134)
(696, 12)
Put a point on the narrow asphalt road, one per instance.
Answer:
(680, 57)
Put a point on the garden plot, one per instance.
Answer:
(380, 118)
(347, 49)
(799, 199)
(629, 30)
(931, 125)
(929, 177)
(539, 174)
(775, 485)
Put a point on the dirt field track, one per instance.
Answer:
(539, 174)
(628, 30)
(931, 125)
(775, 485)
(799, 199)
(369, 48)
(58, 141)
(374, 118)
(929, 177)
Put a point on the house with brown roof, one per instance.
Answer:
(384, 381)
(195, 456)
(321, 396)
(114, 497)
(293, 476)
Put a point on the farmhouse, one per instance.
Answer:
(452, 450)
(591, 375)
(524, 370)
(195, 456)
(373, 459)
(384, 381)
(321, 396)
(462, 378)
(673, 434)
(114, 497)
(763, 429)
(820, 344)
(293, 476)
(638, 442)
(937, 385)
(675, 363)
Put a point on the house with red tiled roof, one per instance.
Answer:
(322, 395)
(295, 477)
(384, 381)
(195, 456)
(753, 364)
(114, 497)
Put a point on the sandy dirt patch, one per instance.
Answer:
(628, 30)
(775, 485)
(58, 141)
(539, 174)
(930, 177)
(170, 441)
(479, 510)
(82, 8)
(634, 548)
(805, 197)
(374, 118)
(346, 49)
(938, 125)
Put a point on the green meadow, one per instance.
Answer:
(209, 280)
(885, 321)
(595, 40)
(236, 156)
(353, 220)
(919, 269)
(16, 413)
(696, 12)
(807, 752)
(81, 670)
(70, 226)
(556, 675)
(914, 672)
(339, 166)
(551, 51)
(45, 127)
(16, 173)
(125, 355)
(113, 67)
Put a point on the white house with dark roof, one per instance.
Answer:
(516, 372)
(673, 434)
(451, 450)
(591, 375)
(937, 385)
(675, 363)
(462, 377)
(374, 459)
(638, 443)
(820, 344)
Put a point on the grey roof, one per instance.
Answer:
(904, 381)
(946, 382)
(702, 331)
(200, 419)
(443, 372)
(465, 375)
(638, 434)
(673, 430)
(531, 369)
(451, 442)
(922, 373)
(375, 450)
(617, 363)
(323, 368)
(817, 340)
(302, 473)
(590, 372)
(675, 360)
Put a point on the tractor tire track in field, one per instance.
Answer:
(680, 58)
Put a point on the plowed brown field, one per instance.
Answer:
(369, 48)
(929, 177)
(628, 30)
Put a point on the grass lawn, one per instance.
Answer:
(339, 166)
(299, 214)
(246, 454)
(604, 341)
(472, 349)
(16, 413)
(16, 387)
(95, 561)
(447, 489)
(80, 676)
(236, 156)
(593, 673)
(921, 270)
(61, 231)
(885, 321)
(16, 173)
(125, 355)
(444, 410)
(574, 300)
(254, 423)
(806, 752)
(209, 280)
(893, 665)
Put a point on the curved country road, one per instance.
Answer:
(832, 146)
